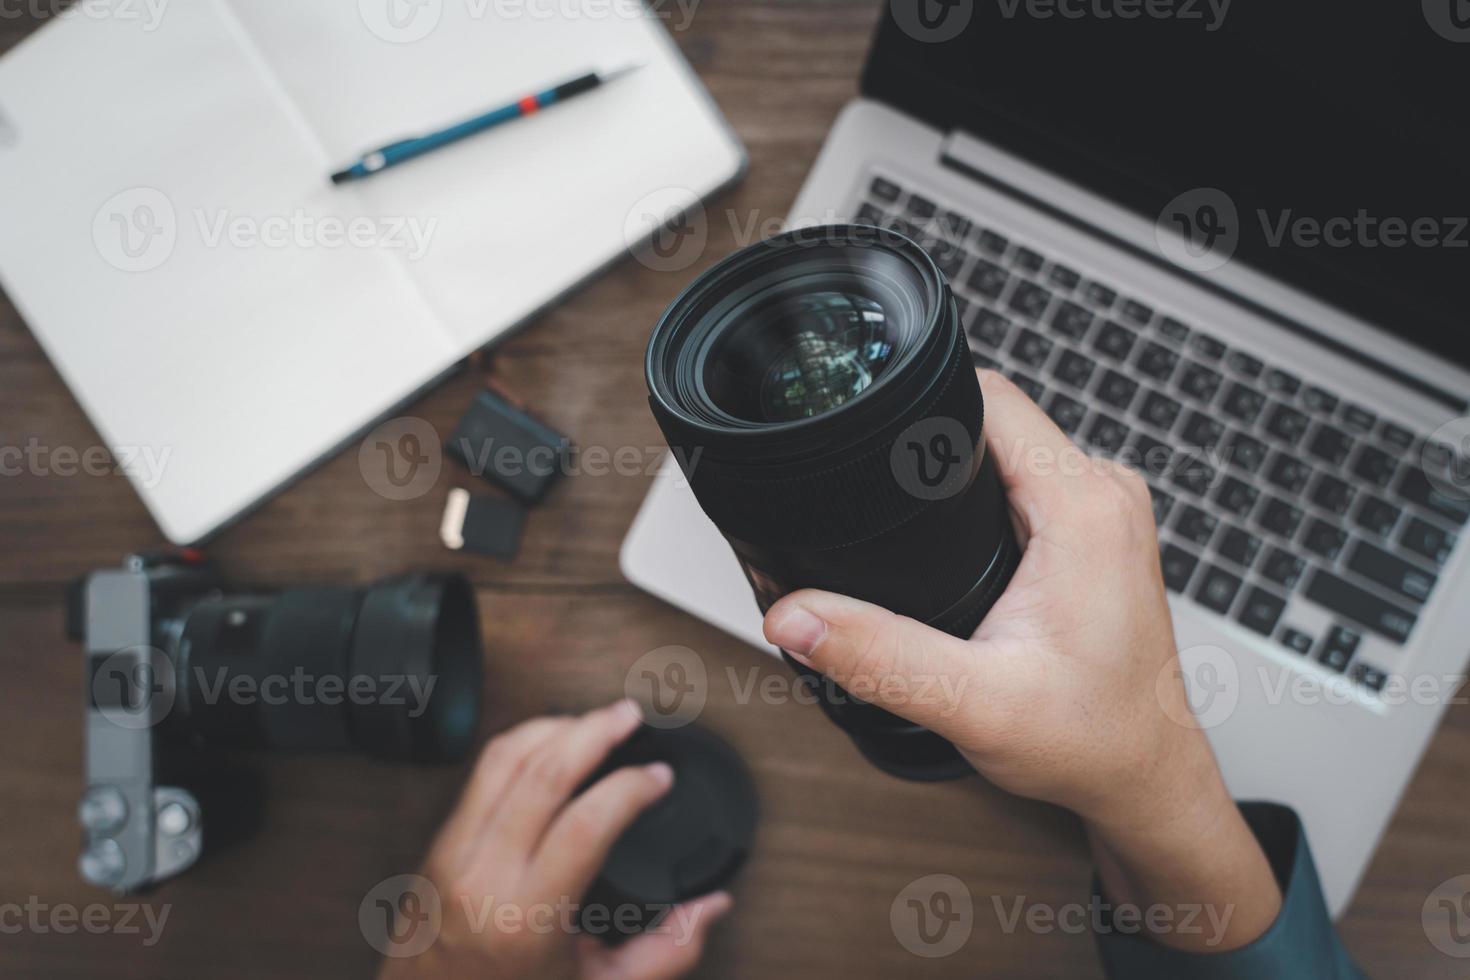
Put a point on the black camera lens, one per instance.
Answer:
(393, 670)
(817, 390)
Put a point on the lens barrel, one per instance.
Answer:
(393, 670)
(818, 392)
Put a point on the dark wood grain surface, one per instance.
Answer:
(838, 841)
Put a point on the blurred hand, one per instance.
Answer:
(1070, 690)
(519, 839)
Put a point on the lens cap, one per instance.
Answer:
(688, 844)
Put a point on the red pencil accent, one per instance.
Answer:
(528, 105)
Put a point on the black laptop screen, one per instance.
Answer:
(1350, 119)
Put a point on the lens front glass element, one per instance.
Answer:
(811, 353)
(804, 337)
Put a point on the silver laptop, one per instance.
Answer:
(1194, 243)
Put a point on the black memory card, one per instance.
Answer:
(482, 523)
(503, 444)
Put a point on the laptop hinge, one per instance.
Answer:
(976, 160)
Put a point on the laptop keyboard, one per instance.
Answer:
(1267, 491)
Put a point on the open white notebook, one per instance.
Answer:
(168, 231)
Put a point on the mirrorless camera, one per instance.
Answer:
(178, 671)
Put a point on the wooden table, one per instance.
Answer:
(838, 841)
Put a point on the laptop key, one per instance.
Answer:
(984, 361)
(988, 279)
(1396, 436)
(1347, 600)
(1319, 400)
(1217, 589)
(1416, 488)
(1030, 300)
(954, 225)
(1242, 403)
(1202, 431)
(1034, 389)
(1282, 383)
(869, 214)
(1114, 340)
(1137, 313)
(1173, 330)
(1028, 260)
(1358, 418)
(1066, 412)
(1261, 611)
(1287, 424)
(1428, 541)
(1375, 466)
(1200, 382)
(1063, 277)
(1325, 540)
(1391, 572)
(1207, 347)
(1193, 474)
(1288, 473)
(921, 207)
(1107, 434)
(992, 242)
(1071, 320)
(1244, 364)
(1099, 295)
(1280, 517)
(1236, 496)
(1178, 566)
(1031, 348)
(1283, 568)
(989, 327)
(1073, 368)
(1377, 515)
(1196, 525)
(1296, 641)
(1116, 390)
(1332, 494)
(884, 190)
(1329, 444)
(1157, 361)
(1239, 545)
(1370, 677)
(1244, 452)
(949, 257)
(1160, 410)
(1149, 455)
(1338, 648)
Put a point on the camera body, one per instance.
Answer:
(136, 831)
(179, 671)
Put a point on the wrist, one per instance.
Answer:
(1184, 846)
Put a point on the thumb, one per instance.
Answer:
(897, 663)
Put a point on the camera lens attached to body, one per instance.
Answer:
(818, 391)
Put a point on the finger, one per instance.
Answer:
(494, 769)
(898, 663)
(545, 781)
(672, 950)
(577, 844)
(1039, 466)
